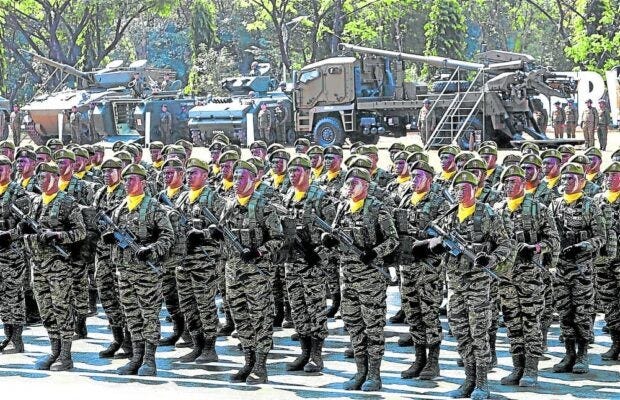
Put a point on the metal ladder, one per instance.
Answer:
(454, 119)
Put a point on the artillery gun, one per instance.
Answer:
(117, 111)
(366, 97)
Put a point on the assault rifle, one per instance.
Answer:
(35, 226)
(124, 237)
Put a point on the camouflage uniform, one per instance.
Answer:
(571, 120)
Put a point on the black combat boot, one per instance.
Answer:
(208, 354)
(333, 309)
(300, 362)
(186, 340)
(32, 308)
(178, 326)
(228, 327)
(481, 391)
(530, 376)
(126, 346)
(46, 362)
(17, 341)
(431, 369)
(492, 340)
(466, 389)
(316, 356)
(545, 331)
(93, 297)
(199, 344)
(64, 362)
(131, 368)
(566, 365)
(81, 332)
(581, 363)
(373, 378)
(288, 320)
(278, 316)
(117, 341)
(614, 351)
(348, 352)
(405, 340)
(148, 367)
(356, 382)
(418, 365)
(259, 372)
(398, 318)
(8, 333)
(241, 375)
(518, 367)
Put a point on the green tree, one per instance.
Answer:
(210, 67)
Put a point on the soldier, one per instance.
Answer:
(60, 223)
(570, 111)
(567, 151)
(215, 151)
(380, 176)
(494, 172)
(369, 223)
(139, 278)
(401, 185)
(462, 158)
(421, 270)
(105, 199)
(447, 155)
(484, 192)
(165, 83)
(197, 274)
(165, 125)
(155, 176)
(26, 163)
(76, 125)
(593, 169)
(137, 85)
(258, 238)
(282, 120)
(278, 178)
(589, 123)
(590, 188)
(522, 296)
(301, 145)
(264, 123)
(12, 262)
(558, 119)
(581, 230)
(187, 146)
(315, 153)
(469, 313)
(258, 148)
(606, 267)
(394, 149)
(511, 159)
(7, 149)
(305, 279)
(254, 69)
(604, 120)
(54, 144)
(529, 148)
(15, 122)
(44, 154)
(426, 121)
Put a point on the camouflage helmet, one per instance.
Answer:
(229, 155)
(243, 164)
(360, 173)
(531, 159)
(465, 177)
(475, 163)
(134, 169)
(131, 149)
(566, 148)
(279, 153)
(613, 167)
(593, 151)
(417, 156)
(580, 159)
(449, 149)
(300, 160)
(198, 163)
(513, 170)
(424, 166)
(572, 168)
(48, 167)
(112, 163)
(551, 153)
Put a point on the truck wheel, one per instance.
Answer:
(328, 132)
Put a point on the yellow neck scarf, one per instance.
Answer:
(195, 194)
(611, 196)
(134, 201)
(464, 212)
(355, 206)
(112, 188)
(171, 192)
(88, 167)
(62, 184)
(332, 175)
(257, 184)
(402, 179)
(447, 175)
(25, 182)
(226, 184)
(158, 164)
(551, 182)
(299, 196)
(216, 169)
(316, 172)
(48, 198)
(417, 197)
(479, 192)
(3, 188)
(490, 172)
(531, 190)
(591, 176)
(514, 204)
(80, 175)
(277, 179)
(243, 200)
(571, 198)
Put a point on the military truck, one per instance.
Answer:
(117, 111)
(363, 98)
(236, 115)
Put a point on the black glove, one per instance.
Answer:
(143, 253)
(368, 256)
(25, 229)
(527, 251)
(248, 255)
(482, 260)
(5, 239)
(108, 238)
(328, 240)
(570, 252)
(312, 257)
(215, 233)
(195, 238)
(48, 236)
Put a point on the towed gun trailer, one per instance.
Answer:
(364, 98)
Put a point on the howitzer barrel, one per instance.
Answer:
(63, 67)
(440, 62)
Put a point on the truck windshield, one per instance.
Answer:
(309, 75)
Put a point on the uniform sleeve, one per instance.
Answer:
(385, 223)
(21, 201)
(165, 234)
(597, 227)
(74, 221)
(549, 236)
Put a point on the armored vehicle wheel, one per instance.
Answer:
(328, 132)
